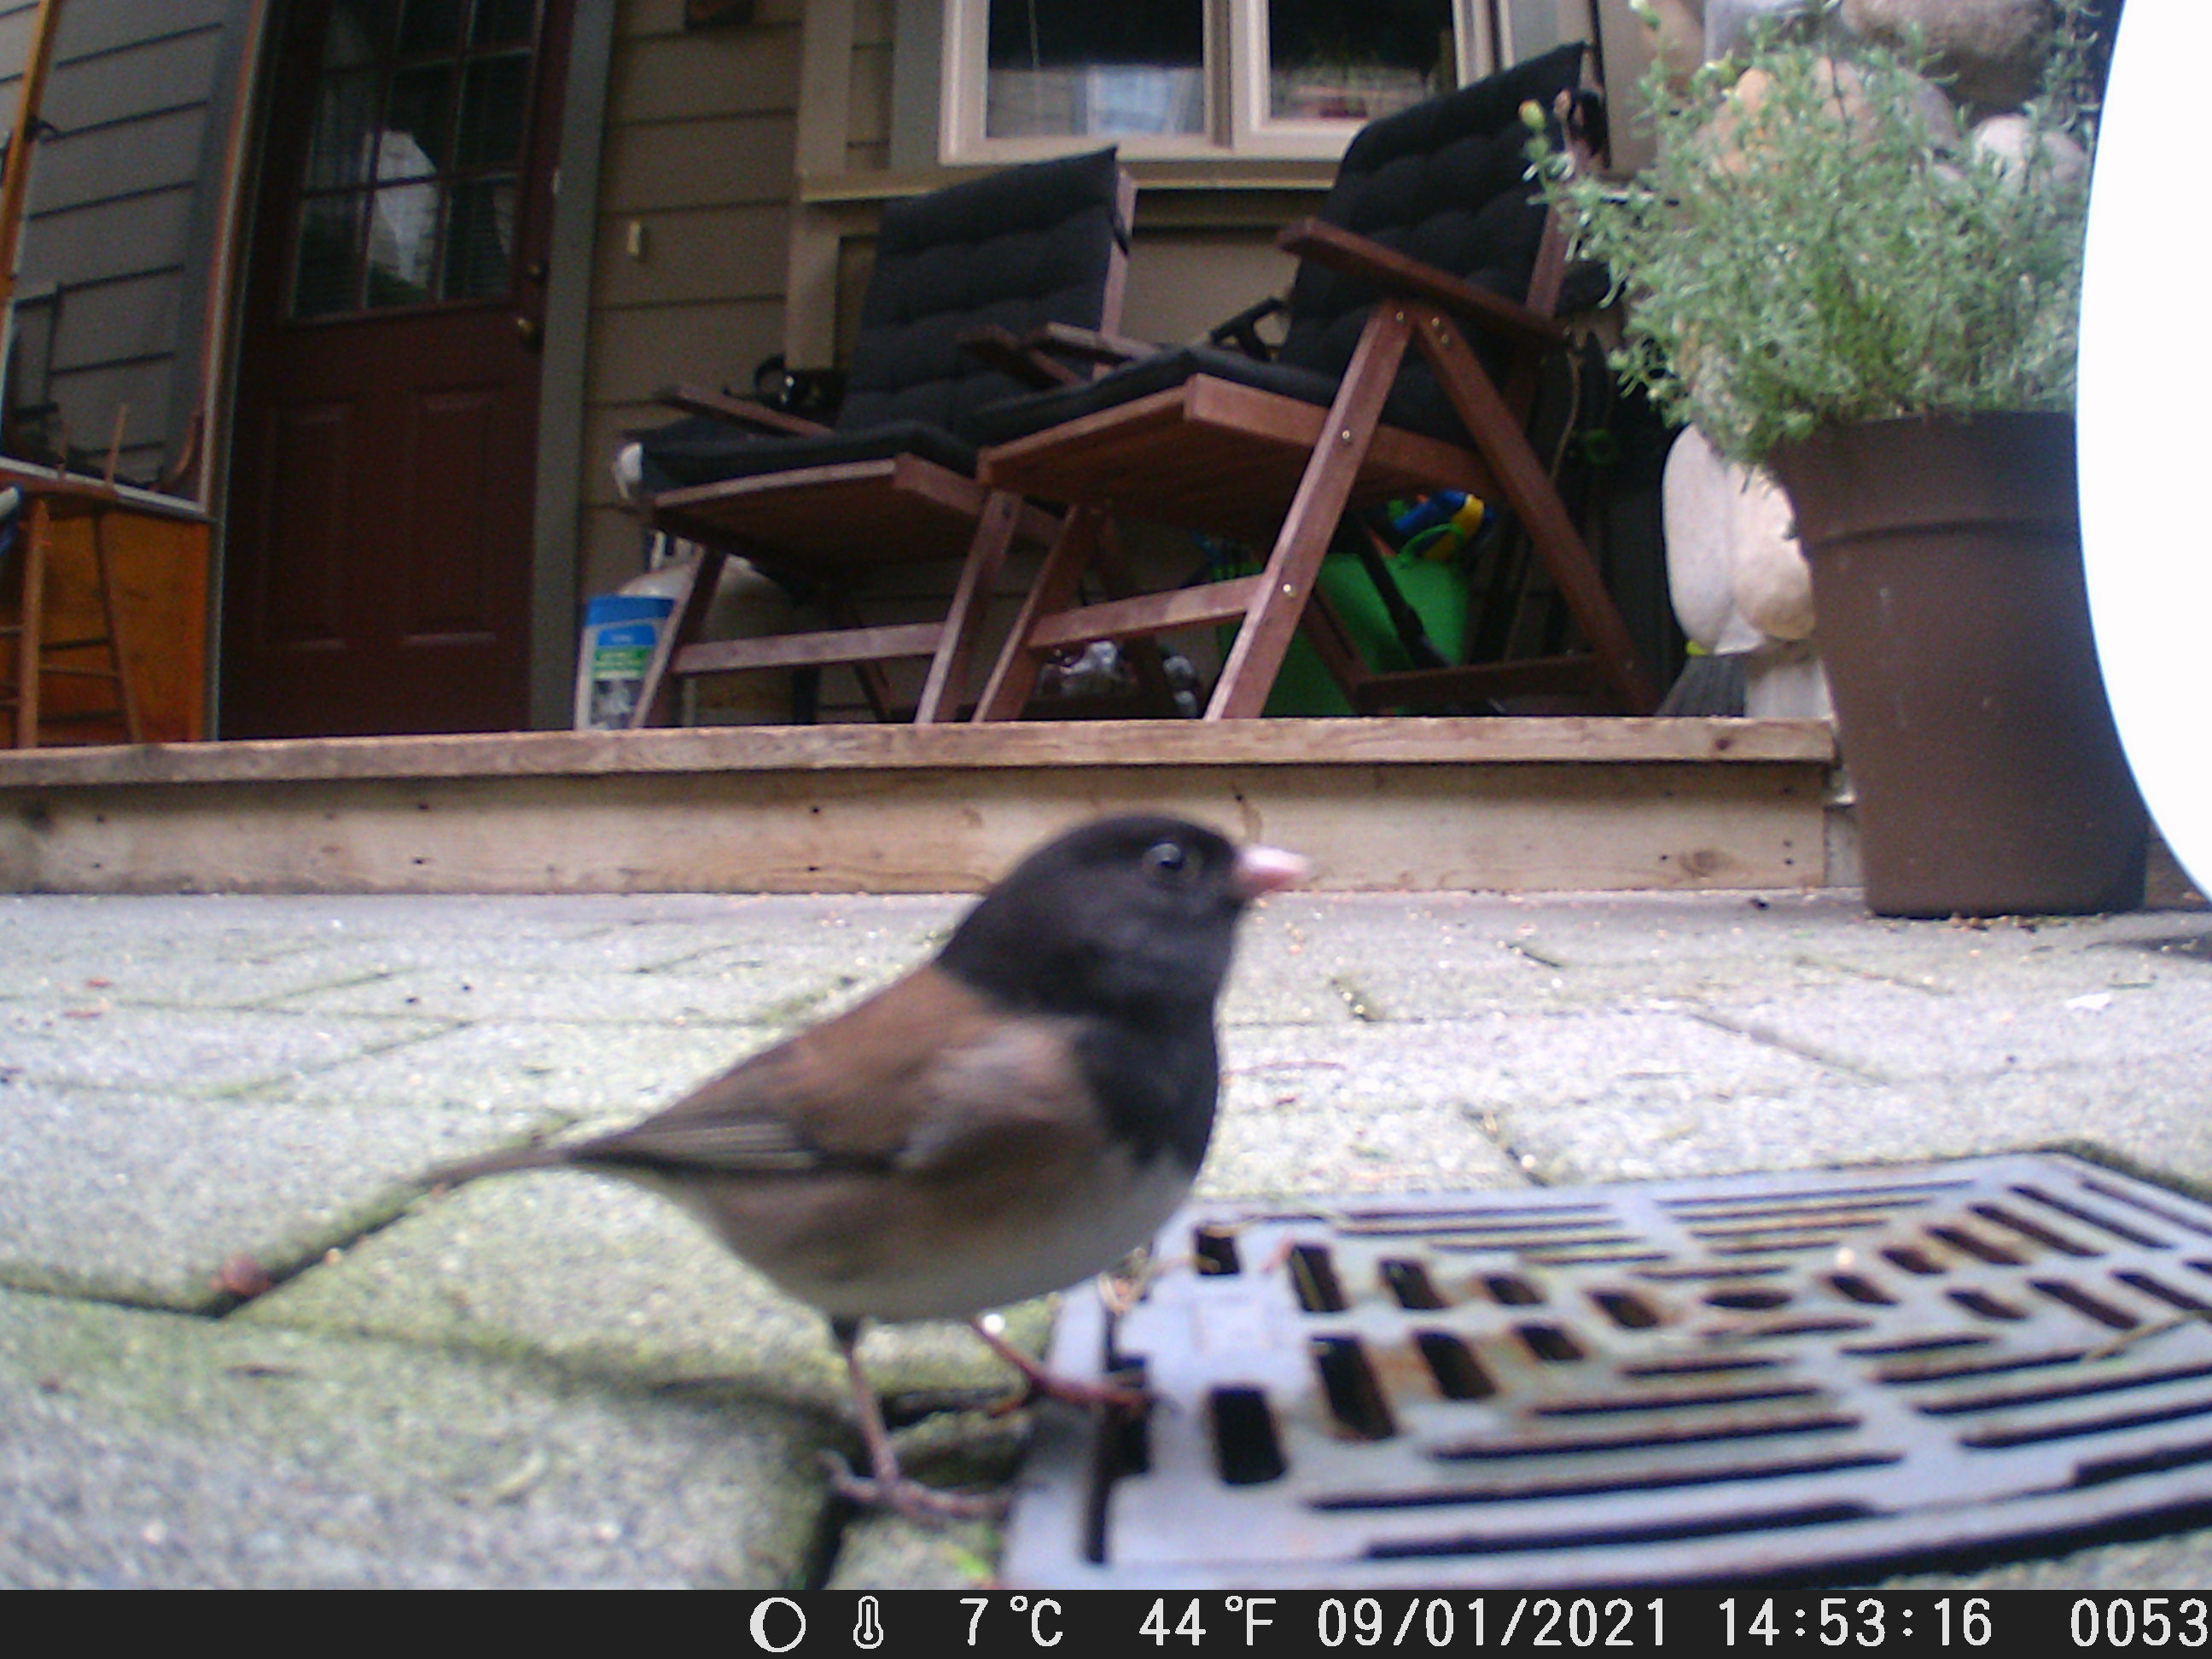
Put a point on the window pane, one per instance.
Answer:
(417, 122)
(1069, 67)
(403, 240)
(499, 21)
(345, 131)
(430, 26)
(360, 32)
(480, 240)
(493, 104)
(1353, 60)
(327, 275)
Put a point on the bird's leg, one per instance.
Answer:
(1073, 1390)
(886, 1487)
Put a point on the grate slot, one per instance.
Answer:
(1860, 1289)
(1599, 1487)
(1788, 1224)
(1518, 1234)
(1213, 1249)
(1902, 1192)
(2159, 1291)
(1629, 1311)
(1247, 1450)
(1908, 1375)
(1778, 1329)
(2172, 1217)
(1553, 1344)
(1916, 1345)
(2011, 1439)
(1459, 1374)
(2035, 1229)
(1597, 1537)
(1313, 1277)
(1750, 1301)
(2104, 1470)
(1509, 1291)
(1427, 1220)
(1701, 1367)
(2082, 1301)
(1714, 1270)
(1355, 1397)
(1667, 1402)
(2089, 1389)
(1410, 1285)
(1980, 1248)
(1802, 1212)
(1650, 1439)
(1913, 1260)
(2090, 1217)
(1982, 1303)
(1548, 1238)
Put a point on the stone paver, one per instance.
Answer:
(555, 1379)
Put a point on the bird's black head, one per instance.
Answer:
(1135, 916)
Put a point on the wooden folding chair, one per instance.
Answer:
(891, 482)
(1432, 222)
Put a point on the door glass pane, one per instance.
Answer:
(358, 33)
(327, 269)
(403, 244)
(418, 121)
(480, 240)
(430, 26)
(1353, 60)
(500, 23)
(494, 101)
(345, 131)
(1077, 67)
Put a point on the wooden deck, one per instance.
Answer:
(1500, 804)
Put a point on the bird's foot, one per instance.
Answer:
(1040, 1384)
(905, 1496)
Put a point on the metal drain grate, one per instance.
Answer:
(1811, 1374)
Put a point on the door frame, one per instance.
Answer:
(556, 512)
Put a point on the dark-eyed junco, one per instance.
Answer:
(1005, 1121)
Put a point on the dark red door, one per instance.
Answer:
(378, 541)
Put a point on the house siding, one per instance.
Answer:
(698, 158)
(111, 284)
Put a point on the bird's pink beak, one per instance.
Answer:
(1262, 870)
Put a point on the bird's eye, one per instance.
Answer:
(1166, 856)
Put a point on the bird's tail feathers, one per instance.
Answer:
(535, 1155)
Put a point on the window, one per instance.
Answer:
(1213, 77)
(413, 174)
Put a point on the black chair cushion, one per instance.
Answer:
(1445, 182)
(699, 450)
(1021, 248)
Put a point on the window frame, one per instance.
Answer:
(1237, 126)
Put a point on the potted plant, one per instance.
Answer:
(1831, 279)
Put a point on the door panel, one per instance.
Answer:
(378, 545)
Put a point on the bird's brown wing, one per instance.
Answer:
(923, 1077)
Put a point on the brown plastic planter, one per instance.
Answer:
(1946, 577)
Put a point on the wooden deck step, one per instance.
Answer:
(1498, 805)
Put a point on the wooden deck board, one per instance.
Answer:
(1527, 804)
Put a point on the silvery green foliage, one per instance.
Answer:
(1829, 253)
